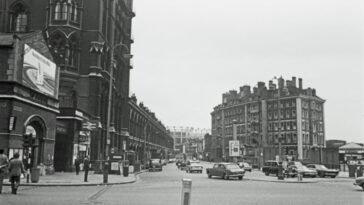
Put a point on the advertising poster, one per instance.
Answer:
(39, 72)
(234, 148)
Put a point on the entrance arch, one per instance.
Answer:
(35, 125)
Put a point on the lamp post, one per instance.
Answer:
(112, 65)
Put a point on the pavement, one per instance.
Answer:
(71, 179)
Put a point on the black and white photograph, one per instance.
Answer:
(181, 102)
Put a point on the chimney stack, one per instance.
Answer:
(294, 81)
(280, 83)
(300, 83)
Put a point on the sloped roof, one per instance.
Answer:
(352, 146)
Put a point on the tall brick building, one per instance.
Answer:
(80, 36)
(283, 119)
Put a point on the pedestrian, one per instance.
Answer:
(86, 166)
(4, 163)
(77, 165)
(16, 168)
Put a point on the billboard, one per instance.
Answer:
(234, 148)
(39, 72)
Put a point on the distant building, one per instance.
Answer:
(279, 120)
(188, 140)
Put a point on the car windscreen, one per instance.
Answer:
(321, 167)
(232, 166)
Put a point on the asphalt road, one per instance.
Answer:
(165, 188)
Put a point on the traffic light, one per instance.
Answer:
(27, 140)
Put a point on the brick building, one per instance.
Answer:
(80, 36)
(285, 120)
(148, 136)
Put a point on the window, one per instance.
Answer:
(293, 113)
(19, 18)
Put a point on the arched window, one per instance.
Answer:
(57, 11)
(64, 11)
(19, 18)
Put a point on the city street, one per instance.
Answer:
(165, 188)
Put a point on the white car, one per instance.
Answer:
(194, 166)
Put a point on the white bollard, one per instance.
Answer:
(186, 191)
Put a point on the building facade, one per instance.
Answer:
(188, 140)
(81, 37)
(149, 138)
(281, 120)
(28, 98)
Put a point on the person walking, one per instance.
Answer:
(16, 168)
(4, 163)
(86, 166)
(77, 165)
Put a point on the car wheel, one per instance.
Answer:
(241, 178)
(321, 175)
(362, 186)
(209, 175)
(333, 176)
(226, 177)
(266, 174)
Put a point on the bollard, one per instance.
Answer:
(299, 176)
(186, 191)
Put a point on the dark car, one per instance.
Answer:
(182, 165)
(270, 167)
(225, 170)
(360, 182)
(323, 171)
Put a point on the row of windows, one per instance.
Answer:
(284, 138)
(283, 114)
(316, 127)
(288, 125)
(66, 11)
(282, 104)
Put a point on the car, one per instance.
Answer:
(194, 166)
(323, 171)
(225, 171)
(182, 165)
(171, 160)
(294, 170)
(359, 182)
(245, 166)
(270, 167)
(164, 162)
(155, 165)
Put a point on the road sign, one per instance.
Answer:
(234, 148)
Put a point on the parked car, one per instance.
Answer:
(171, 160)
(323, 171)
(194, 166)
(245, 166)
(270, 167)
(164, 162)
(182, 165)
(293, 171)
(225, 170)
(359, 182)
(155, 165)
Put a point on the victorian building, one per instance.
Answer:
(81, 37)
(283, 120)
(148, 138)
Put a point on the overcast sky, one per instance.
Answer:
(188, 52)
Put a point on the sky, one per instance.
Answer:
(187, 53)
